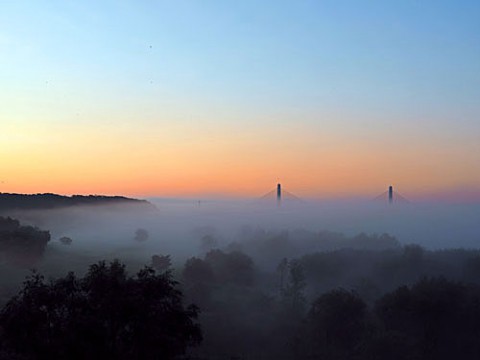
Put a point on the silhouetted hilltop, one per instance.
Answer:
(53, 201)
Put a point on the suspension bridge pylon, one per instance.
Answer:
(391, 197)
(280, 195)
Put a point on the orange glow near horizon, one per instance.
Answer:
(181, 160)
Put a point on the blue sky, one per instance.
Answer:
(403, 54)
(368, 68)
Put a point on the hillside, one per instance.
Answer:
(54, 201)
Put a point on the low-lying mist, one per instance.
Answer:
(179, 227)
(254, 268)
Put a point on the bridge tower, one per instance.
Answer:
(279, 194)
(390, 194)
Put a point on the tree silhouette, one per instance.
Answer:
(282, 268)
(234, 267)
(336, 325)
(65, 240)
(161, 262)
(437, 318)
(198, 279)
(141, 235)
(105, 315)
(292, 295)
(22, 244)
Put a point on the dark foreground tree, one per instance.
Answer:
(105, 315)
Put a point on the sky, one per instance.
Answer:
(332, 98)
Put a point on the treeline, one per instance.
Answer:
(109, 315)
(267, 247)
(343, 304)
(372, 273)
(432, 319)
(10, 202)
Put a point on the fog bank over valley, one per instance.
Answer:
(263, 268)
(177, 226)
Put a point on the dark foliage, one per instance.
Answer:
(199, 280)
(435, 318)
(208, 242)
(23, 244)
(432, 319)
(270, 247)
(220, 268)
(372, 273)
(161, 262)
(105, 315)
(292, 293)
(378, 317)
(336, 326)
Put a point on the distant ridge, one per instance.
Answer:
(53, 201)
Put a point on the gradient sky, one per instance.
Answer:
(182, 98)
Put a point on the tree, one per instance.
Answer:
(282, 268)
(336, 325)
(413, 254)
(23, 244)
(233, 268)
(438, 319)
(207, 243)
(105, 315)
(65, 240)
(292, 294)
(198, 278)
(161, 262)
(141, 235)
